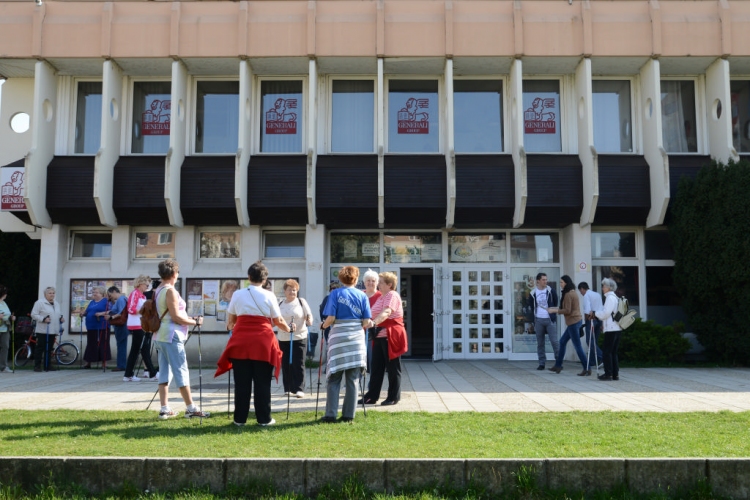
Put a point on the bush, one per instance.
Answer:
(649, 342)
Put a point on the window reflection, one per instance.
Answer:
(612, 245)
(88, 130)
(534, 247)
(477, 116)
(678, 116)
(740, 95)
(217, 117)
(353, 116)
(612, 121)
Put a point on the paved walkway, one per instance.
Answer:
(445, 386)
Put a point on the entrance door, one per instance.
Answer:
(477, 318)
(416, 291)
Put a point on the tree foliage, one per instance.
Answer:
(710, 234)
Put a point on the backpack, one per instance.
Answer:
(150, 319)
(623, 315)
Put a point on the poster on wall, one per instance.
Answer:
(11, 180)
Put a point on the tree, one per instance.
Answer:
(710, 233)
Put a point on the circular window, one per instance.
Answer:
(649, 111)
(47, 110)
(114, 109)
(19, 122)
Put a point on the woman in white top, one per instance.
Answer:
(296, 312)
(611, 331)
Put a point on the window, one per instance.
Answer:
(285, 245)
(408, 249)
(535, 247)
(541, 116)
(658, 245)
(477, 248)
(88, 128)
(413, 116)
(281, 116)
(478, 116)
(154, 245)
(678, 117)
(347, 248)
(664, 304)
(219, 245)
(217, 117)
(605, 245)
(152, 110)
(352, 116)
(626, 278)
(740, 95)
(91, 245)
(612, 116)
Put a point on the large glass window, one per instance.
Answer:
(285, 245)
(740, 94)
(541, 116)
(478, 116)
(678, 117)
(664, 304)
(155, 245)
(658, 245)
(281, 116)
(152, 114)
(413, 116)
(217, 117)
(612, 245)
(88, 129)
(91, 245)
(626, 278)
(412, 249)
(524, 281)
(477, 248)
(534, 247)
(353, 116)
(612, 116)
(347, 248)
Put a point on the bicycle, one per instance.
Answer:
(66, 353)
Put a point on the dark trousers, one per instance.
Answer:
(611, 363)
(381, 363)
(141, 343)
(97, 346)
(44, 343)
(247, 372)
(293, 375)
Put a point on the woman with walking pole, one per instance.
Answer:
(49, 318)
(97, 340)
(253, 351)
(6, 327)
(141, 342)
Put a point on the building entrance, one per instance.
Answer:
(416, 289)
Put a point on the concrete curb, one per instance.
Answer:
(728, 477)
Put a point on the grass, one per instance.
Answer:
(380, 435)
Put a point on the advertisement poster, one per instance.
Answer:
(282, 117)
(12, 188)
(541, 116)
(371, 249)
(155, 120)
(413, 117)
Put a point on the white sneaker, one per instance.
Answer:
(145, 374)
(131, 379)
(7, 370)
(268, 423)
(286, 393)
(300, 394)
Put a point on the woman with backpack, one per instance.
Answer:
(612, 331)
(141, 342)
(297, 313)
(571, 309)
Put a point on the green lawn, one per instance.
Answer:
(380, 435)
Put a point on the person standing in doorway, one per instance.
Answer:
(543, 297)
(592, 302)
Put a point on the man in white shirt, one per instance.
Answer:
(592, 302)
(541, 298)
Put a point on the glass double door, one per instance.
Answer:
(476, 315)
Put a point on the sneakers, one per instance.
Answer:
(131, 379)
(7, 370)
(299, 394)
(197, 413)
(148, 376)
(238, 424)
(268, 423)
(164, 415)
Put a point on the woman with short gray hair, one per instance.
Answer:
(611, 331)
(97, 335)
(49, 320)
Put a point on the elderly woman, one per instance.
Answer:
(299, 317)
(97, 335)
(390, 342)
(141, 342)
(253, 350)
(348, 312)
(373, 294)
(170, 341)
(116, 310)
(49, 320)
(611, 331)
(6, 319)
(571, 309)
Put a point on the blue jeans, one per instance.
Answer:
(121, 337)
(173, 362)
(350, 394)
(597, 331)
(571, 333)
(542, 325)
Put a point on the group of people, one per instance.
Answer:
(597, 314)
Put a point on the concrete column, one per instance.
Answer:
(316, 286)
(450, 153)
(653, 146)
(312, 134)
(516, 134)
(53, 255)
(252, 247)
(381, 140)
(120, 258)
(177, 143)
(586, 151)
(18, 97)
(719, 100)
(245, 149)
(109, 152)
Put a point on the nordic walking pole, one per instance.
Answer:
(320, 367)
(362, 385)
(229, 384)
(307, 349)
(80, 340)
(46, 350)
(291, 377)
(13, 341)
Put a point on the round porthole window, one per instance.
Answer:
(19, 123)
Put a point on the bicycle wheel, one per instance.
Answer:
(66, 353)
(23, 355)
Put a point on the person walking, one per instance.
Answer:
(543, 297)
(571, 310)
(141, 341)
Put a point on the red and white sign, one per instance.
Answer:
(538, 119)
(279, 120)
(155, 121)
(411, 120)
(12, 189)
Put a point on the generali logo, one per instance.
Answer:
(411, 120)
(537, 118)
(279, 120)
(155, 121)
(12, 189)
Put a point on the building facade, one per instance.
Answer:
(464, 144)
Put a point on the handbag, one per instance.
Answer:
(121, 320)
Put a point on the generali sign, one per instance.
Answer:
(155, 121)
(412, 119)
(12, 189)
(279, 120)
(538, 119)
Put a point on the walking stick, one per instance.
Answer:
(320, 367)
(362, 386)
(307, 349)
(46, 349)
(13, 341)
(229, 384)
(105, 344)
(291, 375)
(80, 340)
